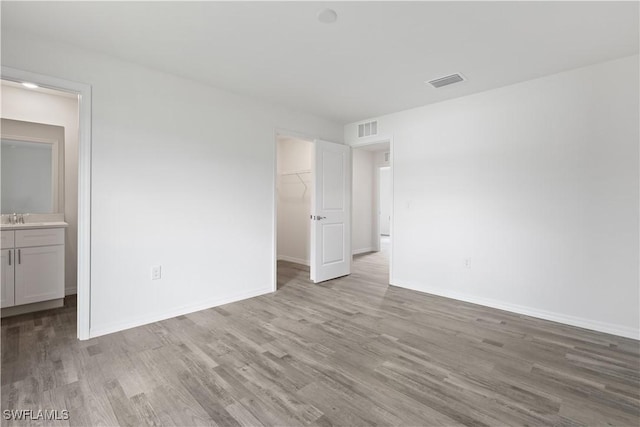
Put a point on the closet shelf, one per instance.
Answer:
(298, 172)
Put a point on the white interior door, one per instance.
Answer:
(330, 211)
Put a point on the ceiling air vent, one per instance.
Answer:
(368, 129)
(447, 80)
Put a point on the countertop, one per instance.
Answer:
(33, 225)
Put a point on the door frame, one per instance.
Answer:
(84, 183)
(382, 140)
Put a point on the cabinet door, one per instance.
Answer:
(7, 239)
(39, 274)
(8, 262)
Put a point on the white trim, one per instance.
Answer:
(186, 309)
(609, 328)
(70, 290)
(293, 134)
(294, 260)
(393, 197)
(274, 223)
(371, 140)
(363, 251)
(84, 183)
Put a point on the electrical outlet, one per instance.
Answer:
(156, 272)
(467, 262)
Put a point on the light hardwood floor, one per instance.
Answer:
(350, 352)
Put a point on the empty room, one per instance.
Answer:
(320, 213)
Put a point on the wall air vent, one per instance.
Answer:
(368, 129)
(446, 80)
(387, 156)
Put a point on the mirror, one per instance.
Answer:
(27, 177)
(32, 173)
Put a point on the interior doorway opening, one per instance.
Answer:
(40, 134)
(293, 200)
(373, 206)
(312, 207)
(75, 207)
(384, 208)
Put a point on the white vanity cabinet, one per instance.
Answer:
(7, 289)
(32, 265)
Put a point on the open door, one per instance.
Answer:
(330, 211)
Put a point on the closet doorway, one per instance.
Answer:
(313, 208)
(294, 190)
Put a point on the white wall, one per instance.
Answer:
(34, 106)
(363, 202)
(385, 201)
(379, 158)
(537, 184)
(182, 177)
(294, 202)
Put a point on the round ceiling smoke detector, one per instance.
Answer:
(327, 16)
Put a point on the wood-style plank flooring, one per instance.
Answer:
(350, 352)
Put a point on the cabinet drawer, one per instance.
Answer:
(7, 240)
(39, 237)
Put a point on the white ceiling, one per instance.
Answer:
(372, 61)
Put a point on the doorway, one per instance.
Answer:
(384, 208)
(373, 205)
(312, 207)
(293, 200)
(77, 180)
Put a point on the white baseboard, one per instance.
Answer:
(362, 251)
(70, 290)
(120, 326)
(609, 328)
(294, 260)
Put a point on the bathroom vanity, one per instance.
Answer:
(32, 266)
(32, 244)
